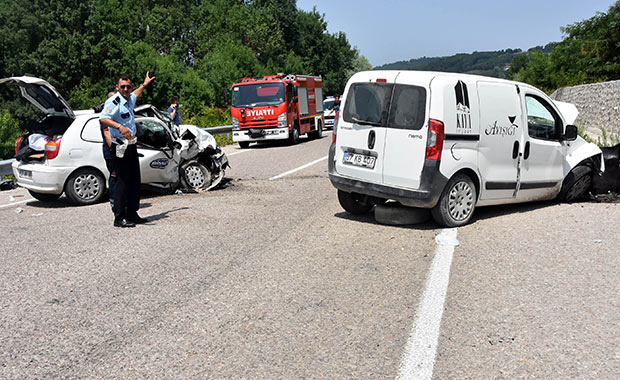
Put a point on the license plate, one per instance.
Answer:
(357, 159)
(25, 173)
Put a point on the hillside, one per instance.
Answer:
(488, 63)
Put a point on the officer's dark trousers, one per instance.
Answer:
(124, 181)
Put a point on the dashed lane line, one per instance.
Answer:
(16, 203)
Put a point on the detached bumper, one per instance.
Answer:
(432, 185)
(41, 178)
(260, 134)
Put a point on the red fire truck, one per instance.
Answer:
(277, 107)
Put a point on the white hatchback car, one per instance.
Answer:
(62, 152)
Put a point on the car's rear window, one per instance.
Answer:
(387, 105)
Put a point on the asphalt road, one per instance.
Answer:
(268, 278)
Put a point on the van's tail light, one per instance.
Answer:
(434, 143)
(17, 142)
(52, 148)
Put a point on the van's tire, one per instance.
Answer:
(318, 133)
(294, 136)
(395, 214)
(576, 184)
(85, 186)
(354, 203)
(44, 197)
(457, 202)
(244, 144)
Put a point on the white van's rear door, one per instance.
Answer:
(406, 135)
(362, 127)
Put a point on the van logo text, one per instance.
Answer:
(498, 130)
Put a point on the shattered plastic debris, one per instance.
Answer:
(11, 198)
(19, 210)
(179, 192)
(598, 241)
(447, 237)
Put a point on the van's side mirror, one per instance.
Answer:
(570, 133)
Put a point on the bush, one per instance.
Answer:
(210, 117)
(9, 132)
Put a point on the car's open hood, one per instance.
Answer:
(568, 110)
(42, 94)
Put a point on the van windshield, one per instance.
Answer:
(388, 105)
(259, 94)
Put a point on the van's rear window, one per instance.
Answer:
(387, 105)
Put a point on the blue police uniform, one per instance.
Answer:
(124, 183)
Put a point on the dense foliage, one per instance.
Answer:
(197, 49)
(589, 52)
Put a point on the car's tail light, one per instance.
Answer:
(52, 148)
(434, 143)
(17, 142)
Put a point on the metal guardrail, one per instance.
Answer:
(5, 166)
(219, 130)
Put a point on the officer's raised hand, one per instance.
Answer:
(147, 80)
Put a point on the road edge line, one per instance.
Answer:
(298, 169)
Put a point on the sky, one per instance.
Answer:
(386, 31)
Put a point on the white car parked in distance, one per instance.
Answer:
(451, 142)
(66, 152)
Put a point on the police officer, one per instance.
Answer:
(124, 181)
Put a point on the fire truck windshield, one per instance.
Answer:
(258, 94)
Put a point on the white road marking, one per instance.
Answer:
(17, 203)
(298, 169)
(238, 152)
(419, 358)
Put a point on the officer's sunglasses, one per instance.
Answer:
(125, 86)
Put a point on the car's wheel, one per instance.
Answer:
(244, 144)
(294, 137)
(354, 203)
(457, 202)
(576, 184)
(196, 176)
(85, 186)
(44, 197)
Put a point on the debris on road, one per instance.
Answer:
(7, 184)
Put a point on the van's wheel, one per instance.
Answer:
(457, 202)
(196, 176)
(354, 203)
(294, 137)
(244, 144)
(44, 197)
(85, 187)
(576, 184)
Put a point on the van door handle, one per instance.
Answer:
(526, 153)
(515, 150)
(371, 139)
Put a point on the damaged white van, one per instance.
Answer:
(451, 142)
